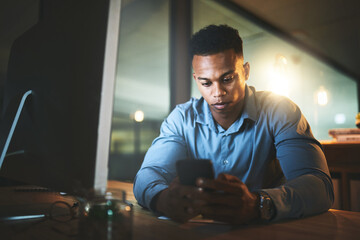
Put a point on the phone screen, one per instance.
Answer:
(189, 170)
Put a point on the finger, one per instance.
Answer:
(182, 209)
(181, 191)
(198, 203)
(229, 187)
(228, 178)
(221, 177)
(216, 197)
(222, 199)
(192, 203)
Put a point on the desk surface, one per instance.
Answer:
(330, 225)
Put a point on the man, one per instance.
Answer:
(268, 165)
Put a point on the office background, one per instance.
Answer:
(306, 50)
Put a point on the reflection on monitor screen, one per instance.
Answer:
(68, 61)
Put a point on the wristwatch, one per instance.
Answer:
(266, 207)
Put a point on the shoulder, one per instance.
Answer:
(279, 112)
(282, 115)
(274, 105)
(187, 111)
(184, 115)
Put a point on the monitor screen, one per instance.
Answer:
(68, 61)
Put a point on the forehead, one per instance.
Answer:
(227, 59)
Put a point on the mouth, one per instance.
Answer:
(220, 105)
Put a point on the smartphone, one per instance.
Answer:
(189, 170)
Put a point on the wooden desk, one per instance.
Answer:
(330, 225)
(343, 159)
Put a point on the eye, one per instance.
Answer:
(228, 79)
(206, 84)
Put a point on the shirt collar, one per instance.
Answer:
(203, 114)
(250, 111)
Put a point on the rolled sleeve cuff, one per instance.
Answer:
(303, 196)
(278, 197)
(145, 196)
(151, 193)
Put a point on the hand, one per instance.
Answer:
(231, 201)
(179, 202)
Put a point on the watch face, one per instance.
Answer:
(266, 207)
(266, 215)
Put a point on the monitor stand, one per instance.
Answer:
(13, 127)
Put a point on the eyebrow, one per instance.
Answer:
(222, 75)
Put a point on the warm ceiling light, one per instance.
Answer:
(279, 79)
(322, 96)
(139, 116)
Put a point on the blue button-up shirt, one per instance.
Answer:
(270, 147)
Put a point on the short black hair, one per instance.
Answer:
(214, 39)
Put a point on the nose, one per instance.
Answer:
(219, 90)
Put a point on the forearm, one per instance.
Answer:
(147, 184)
(158, 169)
(305, 195)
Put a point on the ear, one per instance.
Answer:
(246, 67)
(194, 76)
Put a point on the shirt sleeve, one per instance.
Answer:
(158, 168)
(308, 188)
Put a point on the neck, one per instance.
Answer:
(225, 120)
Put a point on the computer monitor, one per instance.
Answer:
(68, 61)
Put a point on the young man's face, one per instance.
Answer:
(221, 81)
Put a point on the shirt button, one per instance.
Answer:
(225, 161)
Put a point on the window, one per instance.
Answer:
(142, 84)
(327, 97)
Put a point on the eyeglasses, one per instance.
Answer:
(62, 211)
